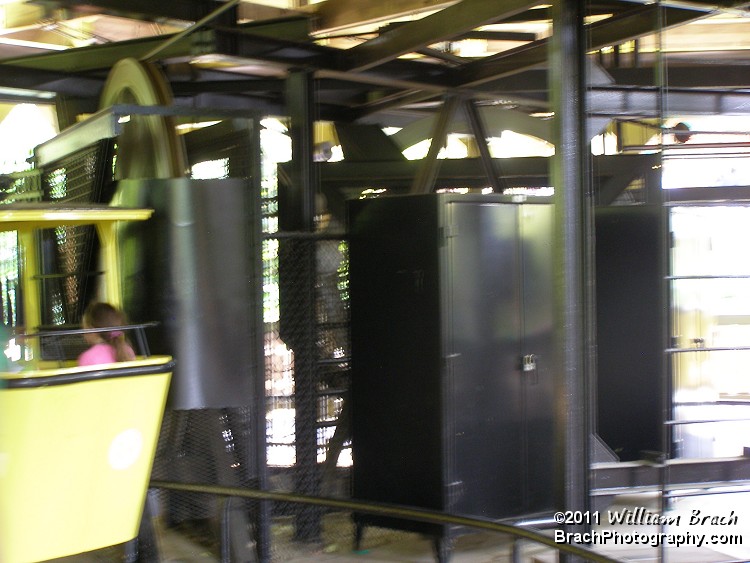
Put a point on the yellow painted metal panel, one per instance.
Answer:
(75, 460)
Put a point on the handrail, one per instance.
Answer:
(69, 331)
(73, 375)
(420, 514)
(707, 349)
(140, 337)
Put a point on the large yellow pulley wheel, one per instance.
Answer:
(148, 146)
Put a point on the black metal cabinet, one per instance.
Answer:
(631, 307)
(451, 307)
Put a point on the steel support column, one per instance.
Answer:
(495, 180)
(299, 216)
(255, 213)
(573, 210)
(424, 181)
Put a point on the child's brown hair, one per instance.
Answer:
(104, 315)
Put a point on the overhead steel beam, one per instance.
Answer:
(682, 74)
(494, 179)
(184, 10)
(392, 100)
(403, 108)
(424, 180)
(468, 172)
(259, 105)
(473, 34)
(623, 101)
(612, 31)
(334, 15)
(419, 81)
(500, 36)
(252, 85)
(242, 43)
(445, 24)
(49, 81)
(728, 7)
(638, 23)
(103, 57)
(446, 57)
(544, 14)
(688, 75)
(229, 7)
(495, 120)
(292, 28)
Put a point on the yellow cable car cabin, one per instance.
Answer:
(76, 443)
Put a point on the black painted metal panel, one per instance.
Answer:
(630, 329)
(536, 227)
(396, 349)
(483, 346)
(444, 416)
(190, 268)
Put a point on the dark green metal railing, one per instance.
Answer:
(417, 514)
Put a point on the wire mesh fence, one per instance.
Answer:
(306, 373)
(205, 446)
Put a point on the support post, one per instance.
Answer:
(574, 285)
(255, 212)
(424, 182)
(495, 180)
(299, 216)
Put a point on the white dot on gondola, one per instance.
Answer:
(125, 449)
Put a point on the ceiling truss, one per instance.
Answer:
(376, 65)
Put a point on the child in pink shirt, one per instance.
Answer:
(107, 346)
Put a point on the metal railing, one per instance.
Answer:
(517, 532)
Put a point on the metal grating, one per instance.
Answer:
(209, 446)
(68, 254)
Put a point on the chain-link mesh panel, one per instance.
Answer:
(223, 142)
(83, 177)
(67, 259)
(307, 379)
(308, 353)
(214, 447)
(68, 254)
(11, 314)
(20, 186)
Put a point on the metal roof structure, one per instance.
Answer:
(385, 63)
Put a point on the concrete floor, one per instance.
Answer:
(384, 546)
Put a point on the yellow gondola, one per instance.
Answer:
(76, 443)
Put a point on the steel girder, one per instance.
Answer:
(372, 85)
